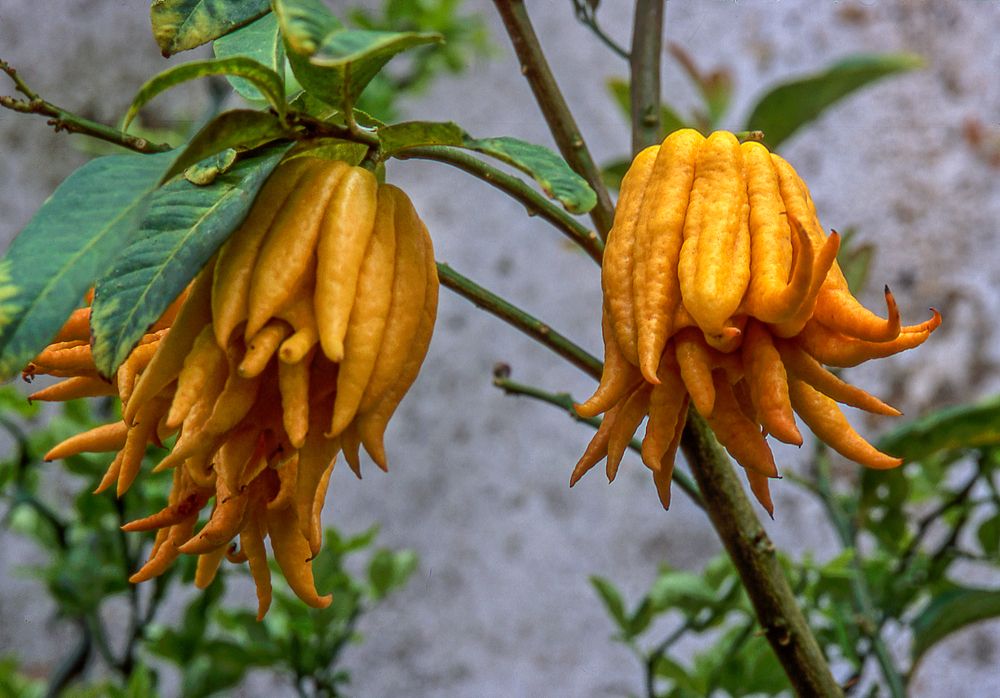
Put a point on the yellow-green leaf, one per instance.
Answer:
(244, 129)
(179, 25)
(334, 63)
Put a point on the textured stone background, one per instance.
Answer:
(501, 605)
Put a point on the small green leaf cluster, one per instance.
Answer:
(87, 561)
(735, 657)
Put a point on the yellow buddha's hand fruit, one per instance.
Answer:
(318, 311)
(722, 291)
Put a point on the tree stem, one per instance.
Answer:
(516, 188)
(753, 555)
(644, 63)
(557, 114)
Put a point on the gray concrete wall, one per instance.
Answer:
(501, 605)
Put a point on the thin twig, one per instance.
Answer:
(73, 664)
(644, 63)
(561, 123)
(926, 521)
(62, 120)
(512, 315)
(533, 202)
(658, 652)
(587, 15)
(566, 402)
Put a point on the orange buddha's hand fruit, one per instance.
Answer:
(722, 290)
(318, 311)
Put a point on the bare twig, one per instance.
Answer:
(587, 14)
(753, 555)
(62, 120)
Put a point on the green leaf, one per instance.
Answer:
(14, 683)
(260, 41)
(334, 63)
(66, 246)
(791, 105)
(304, 23)
(179, 25)
(245, 129)
(183, 227)
(684, 684)
(551, 172)
(640, 619)
(141, 682)
(965, 426)
(612, 599)
(950, 612)
(266, 80)
(684, 591)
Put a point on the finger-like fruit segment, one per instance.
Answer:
(618, 266)
(657, 246)
(369, 313)
(714, 263)
(345, 230)
(829, 424)
(289, 247)
(618, 376)
(238, 255)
